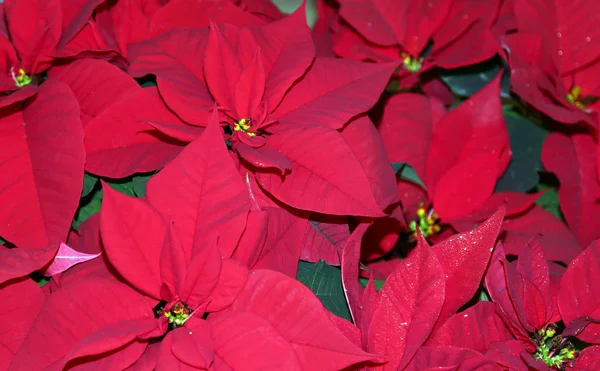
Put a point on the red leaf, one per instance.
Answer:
(247, 340)
(120, 141)
(573, 160)
(16, 263)
(475, 328)
(202, 275)
(466, 187)
(532, 265)
(193, 344)
(97, 84)
(314, 184)
(65, 258)
(411, 300)
(250, 87)
(414, 112)
(232, 281)
(579, 294)
(174, 58)
(202, 192)
(557, 240)
(298, 315)
(464, 258)
(324, 238)
(174, 265)
(350, 273)
(319, 99)
(133, 234)
(78, 309)
(42, 167)
(451, 358)
(474, 128)
(24, 300)
(588, 359)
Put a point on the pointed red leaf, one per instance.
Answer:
(65, 258)
(42, 167)
(247, 340)
(24, 299)
(298, 315)
(464, 258)
(174, 264)
(193, 344)
(78, 309)
(350, 261)
(465, 187)
(232, 281)
(250, 87)
(202, 274)
(202, 192)
(579, 294)
(253, 239)
(314, 184)
(533, 266)
(475, 328)
(411, 300)
(332, 92)
(451, 358)
(133, 235)
(573, 160)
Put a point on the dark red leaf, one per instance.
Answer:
(324, 239)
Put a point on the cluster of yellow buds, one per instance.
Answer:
(178, 314)
(410, 63)
(244, 125)
(552, 349)
(574, 96)
(427, 222)
(21, 79)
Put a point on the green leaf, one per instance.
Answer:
(89, 182)
(139, 184)
(2, 241)
(124, 185)
(88, 206)
(378, 283)
(549, 201)
(407, 172)
(466, 81)
(326, 282)
(526, 139)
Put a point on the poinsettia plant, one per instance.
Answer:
(299, 185)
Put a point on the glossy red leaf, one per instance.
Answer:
(314, 184)
(475, 328)
(464, 258)
(133, 235)
(248, 340)
(65, 258)
(300, 318)
(465, 187)
(579, 294)
(410, 302)
(24, 300)
(79, 309)
(42, 167)
(573, 160)
(202, 192)
(320, 99)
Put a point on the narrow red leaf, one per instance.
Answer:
(65, 258)
(350, 261)
(250, 87)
